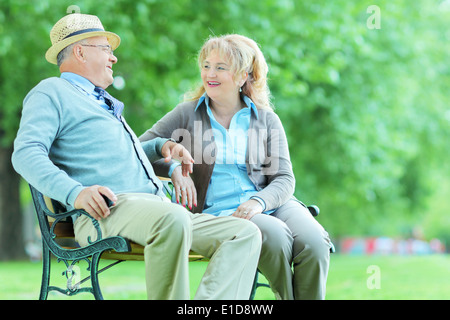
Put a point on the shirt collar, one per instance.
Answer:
(79, 81)
(248, 102)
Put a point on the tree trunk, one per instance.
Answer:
(11, 231)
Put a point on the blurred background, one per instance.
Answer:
(362, 88)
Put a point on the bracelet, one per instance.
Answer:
(261, 202)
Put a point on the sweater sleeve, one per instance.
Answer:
(153, 147)
(39, 127)
(277, 168)
(164, 128)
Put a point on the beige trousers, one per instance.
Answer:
(168, 232)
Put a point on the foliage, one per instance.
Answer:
(365, 110)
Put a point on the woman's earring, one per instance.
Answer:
(240, 89)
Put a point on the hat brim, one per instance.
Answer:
(54, 50)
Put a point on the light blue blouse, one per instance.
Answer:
(230, 185)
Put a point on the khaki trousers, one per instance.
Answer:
(295, 252)
(168, 232)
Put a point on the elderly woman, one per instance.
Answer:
(242, 166)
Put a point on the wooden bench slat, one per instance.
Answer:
(64, 230)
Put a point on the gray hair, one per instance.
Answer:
(65, 53)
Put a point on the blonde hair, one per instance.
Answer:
(244, 55)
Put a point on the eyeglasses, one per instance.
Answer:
(105, 47)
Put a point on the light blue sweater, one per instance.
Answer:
(67, 142)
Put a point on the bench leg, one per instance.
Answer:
(46, 263)
(255, 286)
(94, 276)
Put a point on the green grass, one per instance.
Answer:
(400, 277)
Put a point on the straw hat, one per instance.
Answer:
(75, 27)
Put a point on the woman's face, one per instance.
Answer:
(217, 78)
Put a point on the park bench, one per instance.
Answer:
(58, 239)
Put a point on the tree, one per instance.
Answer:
(365, 109)
(19, 71)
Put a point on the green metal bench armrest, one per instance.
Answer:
(117, 243)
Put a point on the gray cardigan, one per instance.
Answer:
(267, 159)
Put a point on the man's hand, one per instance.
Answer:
(91, 200)
(175, 150)
(184, 188)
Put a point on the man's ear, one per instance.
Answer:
(79, 53)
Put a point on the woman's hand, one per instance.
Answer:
(176, 151)
(184, 188)
(248, 209)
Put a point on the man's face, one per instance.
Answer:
(99, 61)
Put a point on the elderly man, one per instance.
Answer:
(74, 146)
